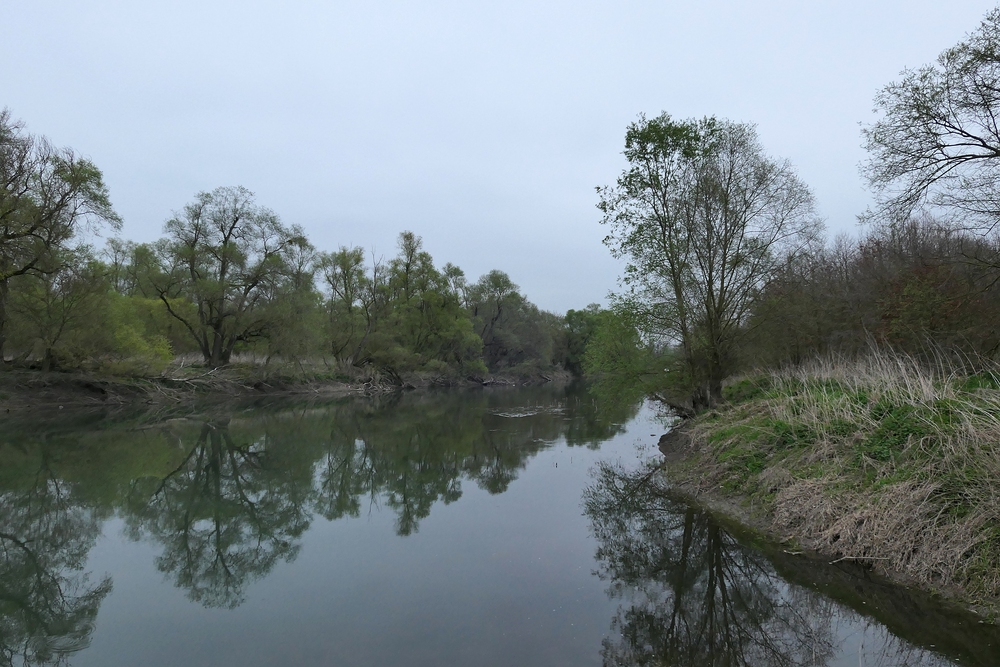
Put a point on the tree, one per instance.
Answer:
(704, 218)
(579, 327)
(427, 321)
(514, 331)
(937, 142)
(55, 310)
(354, 301)
(46, 194)
(230, 257)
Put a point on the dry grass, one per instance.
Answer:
(881, 459)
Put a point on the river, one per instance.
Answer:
(487, 527)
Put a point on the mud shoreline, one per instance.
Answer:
(25, 391)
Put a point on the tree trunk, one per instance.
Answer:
(4, 293)
(215, 357)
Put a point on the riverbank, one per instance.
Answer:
(879, 462)
(23, 390)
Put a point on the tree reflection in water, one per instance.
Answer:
(225, 516)
(246, 489)
(692, 595)
(48, 603)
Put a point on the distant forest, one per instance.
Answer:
(229, 280)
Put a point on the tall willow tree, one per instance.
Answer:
(704, 218)
(46, 195)
(229, 259)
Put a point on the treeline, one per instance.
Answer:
(229, 277)
(727, 267)
(925, 288)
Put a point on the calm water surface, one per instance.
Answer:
(507, 527)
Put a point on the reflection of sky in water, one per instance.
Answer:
(418, 530)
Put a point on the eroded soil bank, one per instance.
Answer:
(24, 390)
(890, 470)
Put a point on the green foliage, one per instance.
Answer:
(620, 367)
(747, 389)
(46, 195)
(704, 219)
(898, 425)
(233, 259)
(580, 326)
(137, 346)
(229, 277)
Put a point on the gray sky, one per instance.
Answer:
(482, 127)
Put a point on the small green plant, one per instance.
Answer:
(897, 426)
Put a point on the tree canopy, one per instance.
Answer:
(46, 194)
(936, 142)
(703, 217)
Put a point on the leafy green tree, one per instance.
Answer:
(46, 195)
(230, 257)
(623, 367)
(296, 308)
(55, 309)
(427, 317)
(580, 326)
(131, 269)
(513, 330)
(704, 218)
(351, 302)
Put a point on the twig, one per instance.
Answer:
(859, 558)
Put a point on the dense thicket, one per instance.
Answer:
(925, 288)
(922, 287)
(229, 277)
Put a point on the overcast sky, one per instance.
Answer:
(482, 127)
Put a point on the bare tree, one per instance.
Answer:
(937, 141)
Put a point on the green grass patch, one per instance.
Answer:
(897, 425)
(748, 389)
(982, 380)
(788, 435)
(878, 435)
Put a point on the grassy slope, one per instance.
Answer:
(879, 461)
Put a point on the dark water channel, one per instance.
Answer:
(507, 527)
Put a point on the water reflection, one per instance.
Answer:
(224, 516)
(691, 594)
(48, 604)
(228, 495)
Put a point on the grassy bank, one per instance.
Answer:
(881, 460)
